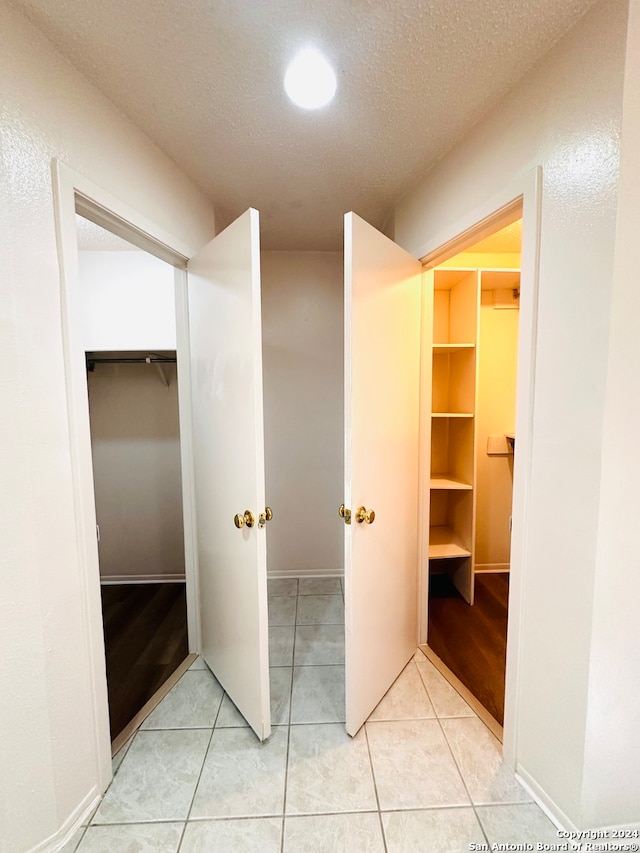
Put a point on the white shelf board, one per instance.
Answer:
(444, 481)
(451, 414)
(499, 279)
(444, 544)
(443, 349)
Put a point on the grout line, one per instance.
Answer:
(196, 786)
(293, 657)
(463, 691)
(286, 766)
(464, 781)
(375, 787)
(274, 816)
(195, 789)
(138, 822)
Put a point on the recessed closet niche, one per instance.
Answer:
(303, 368)
(130, 348)
(473, 362)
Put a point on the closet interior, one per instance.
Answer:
(473, 359)
(132, 387)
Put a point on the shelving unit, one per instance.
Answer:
(454, 300)
(444, 482)
(456, 297)
(444, 544)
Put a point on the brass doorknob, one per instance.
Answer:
(265, 516)
(363, 514)
(345, 513)
(245, 519)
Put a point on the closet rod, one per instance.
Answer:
(142, 360)
(151, 358)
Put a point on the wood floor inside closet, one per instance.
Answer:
(472, 641)
(145, 630)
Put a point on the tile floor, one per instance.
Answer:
(424, 773)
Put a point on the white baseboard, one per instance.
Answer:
(541, 798)
(305, 573)
(72, 824)
(126, 579)
(486, 568)
(560, 819)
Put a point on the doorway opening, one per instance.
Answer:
(128, 324)
(473, 370)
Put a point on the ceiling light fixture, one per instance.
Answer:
(310, 81)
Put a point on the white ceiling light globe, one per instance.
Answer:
(310, 81)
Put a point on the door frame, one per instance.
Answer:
(74, 193)
(525, 190)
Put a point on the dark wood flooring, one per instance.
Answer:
(472, 641)
(145, 631)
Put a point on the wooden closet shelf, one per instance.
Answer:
(443, 349)
(451, 414)
(444, 544)
(444, 481)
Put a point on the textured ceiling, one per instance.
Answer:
(202, 78)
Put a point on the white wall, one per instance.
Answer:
(302, 327)
(495, 416)
(612, 749)
(128, 301)
(565, 115)
(135, 445)
(46, 726)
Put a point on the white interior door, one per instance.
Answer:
(228, 445)
(382, 372)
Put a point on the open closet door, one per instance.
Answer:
(228, 445)
(382, 372)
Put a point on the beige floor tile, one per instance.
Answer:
(282, 586)
(406, 699)
(334, 833)
(413, 766)
(282, 610)
(318, 694)
(280, 687)
(229, 717)
(252, 835)
(320, 610)
(437, 830)
(517, 824)
(242, 777)
(319, 644)
(319, 586)
(328, 771)
(157, 777)
(331, 803)
(280, 684)
(446, 701)
(135, 838)
(281, 645)
(117, 759)
(192, 703)
(478, 754)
